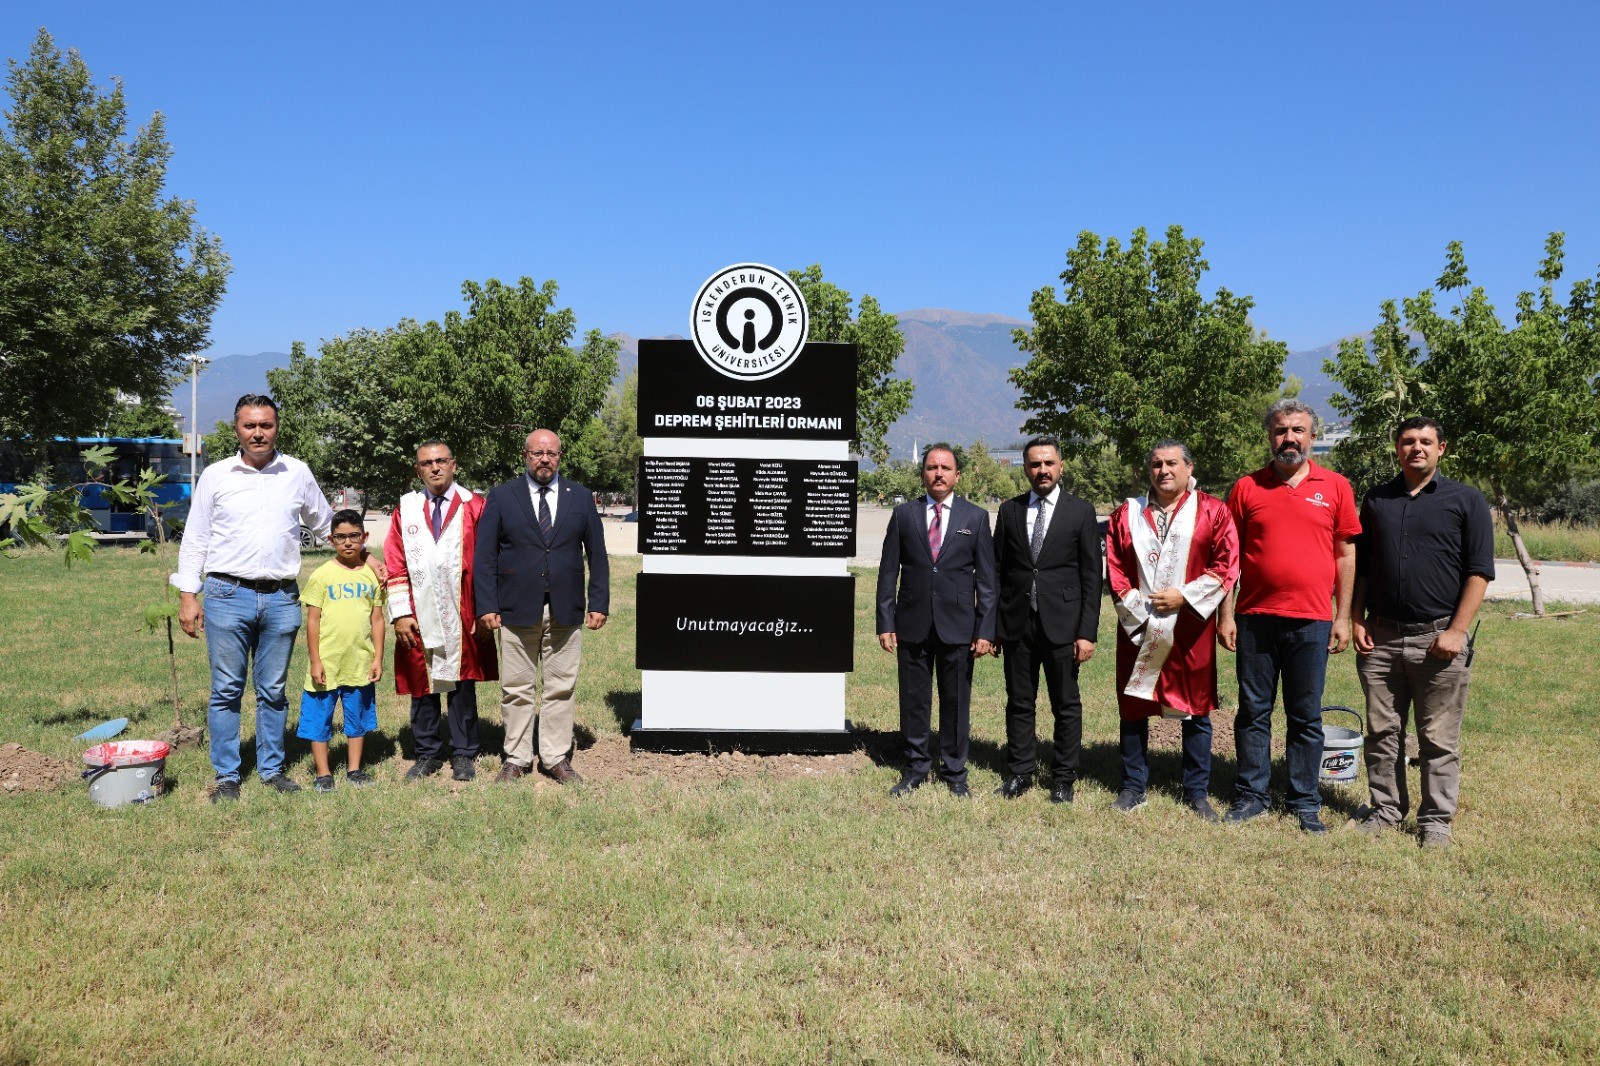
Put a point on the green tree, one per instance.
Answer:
(900, 477)
(984, 479)
(1131, 353)
(612, 441)
(507, 367)
(104, 284)
(481, 381)
(141, 420)
(1519, 405)
(880, 398)
(350, 414)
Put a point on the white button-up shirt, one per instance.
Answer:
(246, 522)
(1033, 510)
(552, 496)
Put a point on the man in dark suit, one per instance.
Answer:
(1047, 551)
(939, 551)
(528, 579)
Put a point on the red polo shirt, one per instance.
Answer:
(1286, 535)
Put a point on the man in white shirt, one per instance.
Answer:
(241, 549)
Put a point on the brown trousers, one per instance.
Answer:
(1399, 676)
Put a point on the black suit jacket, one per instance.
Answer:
(953, 598)
(1068, 570)
(513, 569)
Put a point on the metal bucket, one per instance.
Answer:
(126, 771)
(1341, 749)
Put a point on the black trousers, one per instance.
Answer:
(1023, 660)
(425, 719)
(919, 663)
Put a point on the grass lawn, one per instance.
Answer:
(775, 918)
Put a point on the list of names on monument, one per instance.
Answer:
(790, 507)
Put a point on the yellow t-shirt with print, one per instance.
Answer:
(346, 598)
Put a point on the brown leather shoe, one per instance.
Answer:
(510, 772)
(563, 773)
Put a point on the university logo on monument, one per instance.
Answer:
(749, 321)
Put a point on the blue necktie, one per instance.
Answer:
(437, 521)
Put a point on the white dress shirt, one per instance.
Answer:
(551, 496)
(246, 522)
(1033, 510)
(944, 512)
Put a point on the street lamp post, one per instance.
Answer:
(196, 362)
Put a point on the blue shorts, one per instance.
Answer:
(316, 712)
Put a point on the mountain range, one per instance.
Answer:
(958, 359)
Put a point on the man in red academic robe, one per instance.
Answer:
(438, 648)
(1171, 557)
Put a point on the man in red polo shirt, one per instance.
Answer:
(1296, 523)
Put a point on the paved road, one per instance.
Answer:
(1563, 583)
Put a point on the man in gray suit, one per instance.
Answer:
(939, 552)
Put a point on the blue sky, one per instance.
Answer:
(360, 162)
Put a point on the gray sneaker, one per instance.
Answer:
(1436, 839)
(1371, 826)
(1128, 801)
(1202, 808)
(323, 783)
(358, 778)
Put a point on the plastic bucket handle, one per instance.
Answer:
(1361, 725)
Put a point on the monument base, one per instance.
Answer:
(760, 741)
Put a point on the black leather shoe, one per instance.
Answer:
(959, 789)
(1061, 793)
(281, 783)
(463, 768)
(1014, 786)
(909, 783)
(424, 768)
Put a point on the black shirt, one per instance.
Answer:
(1416, 552)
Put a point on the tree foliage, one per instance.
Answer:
(1131, 352)
(606, 456)
(881, 398)
(984, 478)
(141, 420)
(481, 381)
(105, 285)
(1519, 404)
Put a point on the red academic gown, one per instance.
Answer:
(1188, 679)
(466, 652)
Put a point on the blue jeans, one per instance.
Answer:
(1196, 756)
(242, 624)
(1296, 649)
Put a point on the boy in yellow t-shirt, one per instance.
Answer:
(344, 636)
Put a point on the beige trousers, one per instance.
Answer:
(522, 650)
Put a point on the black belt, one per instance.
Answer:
(265, 585)
(1406, 629)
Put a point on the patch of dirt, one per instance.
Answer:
(22, 770)
(186, 736)
(1168, 733)
(609, 757)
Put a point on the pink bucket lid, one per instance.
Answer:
(126, 752)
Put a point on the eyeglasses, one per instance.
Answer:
(346, 536)
(531, 454)
(436, 462)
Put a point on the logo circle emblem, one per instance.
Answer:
(1317, 496)
(749, 321)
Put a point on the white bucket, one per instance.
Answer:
(1341, 749)
(126, 771)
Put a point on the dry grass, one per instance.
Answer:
(777, 919)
